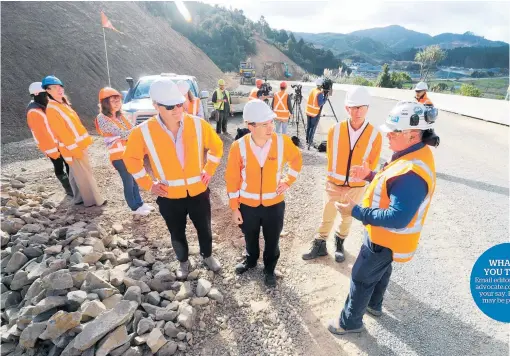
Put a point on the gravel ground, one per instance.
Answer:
(428, 309)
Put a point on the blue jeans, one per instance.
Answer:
(131, 191)
(281, 127)
(370, 277)
(311, 126)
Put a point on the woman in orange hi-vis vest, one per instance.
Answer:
(393, 210)
(192, 105)
(73, 141)
(43, 136)
(115, 128)
(256, 183)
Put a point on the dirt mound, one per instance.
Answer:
(269, 61)
(65, 39)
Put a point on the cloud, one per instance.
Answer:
(488, 19)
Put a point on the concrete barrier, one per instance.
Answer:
(492, 110)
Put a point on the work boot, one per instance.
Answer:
(213, 264)
(183, 271)
(270, 279)
(243, 267)
(64, 180)
(339, 253)
(318, 249)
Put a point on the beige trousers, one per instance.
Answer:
(83, 184)
(335, 193)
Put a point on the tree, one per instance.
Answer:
(362, 81)
(282, 36)
(384, 78)
(470, 90)
(399, 78)
(428, 59)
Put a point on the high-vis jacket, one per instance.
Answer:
(341, 158)
(66, 125)
(312, 106)
(425, 100)
(403, 242)
(115, 144)
(253, 94)
(220, 97)
(151, 138)
(38, 124)
(250, 184)
(280, 106)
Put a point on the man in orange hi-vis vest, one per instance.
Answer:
(316, 100)
(175, 144)
(350, 143)
(282, 106)
(256, 183)
(393, 210)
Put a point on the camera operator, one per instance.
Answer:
(260, 91)
(282, 107)
(316, 100)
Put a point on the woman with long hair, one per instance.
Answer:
(192, 105)
(73, 141)
(115, 128)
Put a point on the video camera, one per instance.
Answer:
(297, 92)
(265, 89)
(327, 86)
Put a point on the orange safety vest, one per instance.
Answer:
(193, 107)
(68, 129)
(253, 94)
(252, 185)
(312, 106)
(280, 106)
(151, 138)
(341, 158)
(43, 137)
(116, 146)
(425, 100)
(403, 242)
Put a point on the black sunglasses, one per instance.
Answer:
(171, 107)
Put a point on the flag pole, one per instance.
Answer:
(106, 52)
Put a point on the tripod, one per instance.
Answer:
(310, 142)
(298, 113)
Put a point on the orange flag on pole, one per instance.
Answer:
(107, 23)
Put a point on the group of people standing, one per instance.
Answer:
(184, 152)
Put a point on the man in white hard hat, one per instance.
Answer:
(256, 185)
(316, 100)
(175, 143)
(393, 210)
(351, 142)
(421, 93)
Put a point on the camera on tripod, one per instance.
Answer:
(327, 86)
(265, 89)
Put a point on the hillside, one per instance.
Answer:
(65, 39)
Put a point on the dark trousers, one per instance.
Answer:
(58, 166)
(270, 218)
(221, 121)
(175, 213)
(370, 277)
(311, 126)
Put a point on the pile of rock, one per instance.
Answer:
(72, 288)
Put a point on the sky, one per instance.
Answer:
(488, 19)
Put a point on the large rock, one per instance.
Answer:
(171, 330)
(168, 295)
(133, 293)
(129, 282)
(152, 298)
(36, 270)
(166, 315)
(92, 308)
(215, 295)
(104, 323)
(53, 250)
(77, 296)
(186, 316)
(134, 351)
(5, 238)
(111, 302)
(12, 226)
(137, 272)
(20, 280)
(92, 257)
(156, 340)
(93, 281)
(203, 287)
(35, 289)
(113, 340)
(149, 257)
(105, 293)
(60, 323)
(33, 251)
(49, 303)
(17, 261)
(185, 292)
(169, 349)
(199, 301)
(32, 228)
(58, 280)
(39, 239)
(97, 244)
(30, 334)
(145, 325)
(117, 277)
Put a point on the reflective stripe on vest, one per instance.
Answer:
(280, 108)
(45, 120)
(312, 106)
(155, 158)
(69, 123)
(244, 185)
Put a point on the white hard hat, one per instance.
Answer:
(35, 88)
(257, 111)
(409, 115)
(183, 86)
(164, 91)
(357, 96)
(319, 81)
(421, 86)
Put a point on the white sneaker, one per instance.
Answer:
(148, 207)
(141, 211)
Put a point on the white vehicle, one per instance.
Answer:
(137, 104)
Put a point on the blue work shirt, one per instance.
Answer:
(321, 99)
(406, 193)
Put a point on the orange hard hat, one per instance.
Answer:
(258, 82)
(106, 92)
(283, 85)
